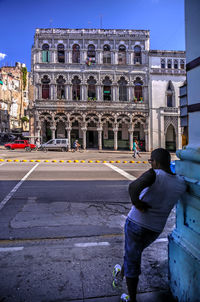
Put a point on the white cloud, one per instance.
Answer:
(2, 56)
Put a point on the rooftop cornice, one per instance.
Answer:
(91, 31)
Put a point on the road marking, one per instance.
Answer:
(2, 164)
(120, 171)
(7, 198)
(91, 244)
(11, 249)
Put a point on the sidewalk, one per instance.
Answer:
(158, 296)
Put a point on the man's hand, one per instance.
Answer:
(142, 206)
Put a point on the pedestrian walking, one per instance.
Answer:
(37, 143)
(153, 196)
(136, 150)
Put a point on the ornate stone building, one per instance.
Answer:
(105, 87)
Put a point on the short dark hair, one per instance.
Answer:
(161, 156)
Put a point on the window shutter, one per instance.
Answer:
(48, 56)
(44, 56)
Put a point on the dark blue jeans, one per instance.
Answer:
(137, 238)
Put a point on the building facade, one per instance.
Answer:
(105, 87)
(13, 98)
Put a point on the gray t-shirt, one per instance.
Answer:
(162, 192)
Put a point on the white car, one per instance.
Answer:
(56, 144)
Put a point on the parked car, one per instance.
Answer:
(20, 144)
(60, 144)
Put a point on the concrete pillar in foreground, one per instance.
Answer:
(184, 242)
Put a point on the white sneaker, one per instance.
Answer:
(125, 298)
(117, 281)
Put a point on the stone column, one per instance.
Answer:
(53, 131)
(69, 92)
(38, 129)
(130, 139)
(66, 93)
(84, 137)
(161, 128)
(115, 138)
(100, 138)
(68, 129)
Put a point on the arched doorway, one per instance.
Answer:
(170, 139)
(60, 130)
(46, 131)
(139, 135)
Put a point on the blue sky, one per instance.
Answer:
(20, 18)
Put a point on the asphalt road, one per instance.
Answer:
(61, 227)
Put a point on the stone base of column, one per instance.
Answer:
(184, 269)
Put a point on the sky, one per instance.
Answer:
(20, 18)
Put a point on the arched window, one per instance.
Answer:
(122, 55)
(106, 54)
(137, 55)
(162, 63)
(138, 95)
(45, 87)
(169, 94)
(76, 95)
(91, 53)
(45, 53)
(175, 64)
(60, 87)
(169, 63)
(76, 53)
(107, 89)
(182, 64)
(91, 88)
(122, 89)
(61, 53)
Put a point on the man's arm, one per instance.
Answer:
(136, 187)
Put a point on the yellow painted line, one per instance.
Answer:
(97, 161)
(46, 161)
(76, 161)
(125, 162)
(61, 161)
(138, 162)
(145, 162)
(16, 160)
(54, 161)
(90, 161)
(111, 161)
(118, 161)
(1, 159)
(104, 161)
(132, 161)
(69, 161)
(82, 161)
(31, 160)
(9, 160)
(38, 160)
(24, 160)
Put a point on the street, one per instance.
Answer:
(61, 226)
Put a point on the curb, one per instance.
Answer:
(74, 161)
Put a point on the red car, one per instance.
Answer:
(20, 144)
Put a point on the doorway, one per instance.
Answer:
(92, 139)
